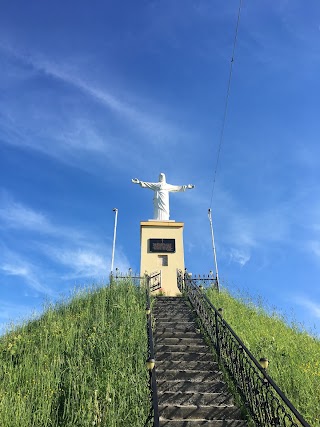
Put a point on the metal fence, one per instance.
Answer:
(132, 278)
(205, 281)
(153, 282)
(264, 400)
(153, 279)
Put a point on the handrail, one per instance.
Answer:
(154, 279)
(154, 411)
(264, 400)
(151, 282)
(207, 281)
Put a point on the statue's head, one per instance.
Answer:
(162, 177)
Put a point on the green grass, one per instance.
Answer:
(81, 364)
(294, 355)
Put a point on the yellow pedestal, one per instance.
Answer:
(162, 249)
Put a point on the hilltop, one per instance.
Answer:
(82, 363)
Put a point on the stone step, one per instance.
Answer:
(173, 307)
(198, 365)
(216, 386)
(169, 321)
(174, 317)
(182, 356)
(174, 311)
(192, 375)
(191, 392)
(199, 348)
(173, 304)
(165, 340)
(193, 412)
(204, 423)
(164, 297)
(167, 308)
(176, 323)
(169, 327)
(177, 334)
(197, 399)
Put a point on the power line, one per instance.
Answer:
(226, 102)
(221, 141)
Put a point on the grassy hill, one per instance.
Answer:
(294, 355)
(81, 364)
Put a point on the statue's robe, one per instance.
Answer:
(161, 197)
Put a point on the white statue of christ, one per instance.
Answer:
(161, 195)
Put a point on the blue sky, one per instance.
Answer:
(94, 95)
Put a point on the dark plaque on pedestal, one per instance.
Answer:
(162, 245)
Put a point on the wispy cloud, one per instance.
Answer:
(151, 126)
(241, 232)
(75, 254)
(314, 247)
(265, 225)
(239, 256)
(312, 306)
(15, 266)
(143, 121)
(87, 261)
(84, 123)
(16, 215)
(84, 262)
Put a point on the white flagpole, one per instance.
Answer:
(214, 250)
(114, 237)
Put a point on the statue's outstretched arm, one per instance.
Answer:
(175, 188)
(151, 185)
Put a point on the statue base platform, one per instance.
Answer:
(162, 249)
(161, 220)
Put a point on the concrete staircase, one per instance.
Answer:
(191, 390)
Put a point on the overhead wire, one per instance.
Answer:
(224, 118)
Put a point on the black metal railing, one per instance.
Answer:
(133, 278)
(154, 279)
(264, 400)
(206, 280)
(151, 283)
(153, 418)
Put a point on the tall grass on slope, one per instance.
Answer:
(294, 355)
(81, 364)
